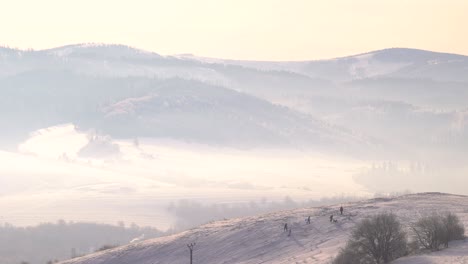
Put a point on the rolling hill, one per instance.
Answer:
(261, 239)
(201, 100)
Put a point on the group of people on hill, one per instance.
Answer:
(286, 229)
(341, 213)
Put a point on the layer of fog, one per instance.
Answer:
(64, 173)
(60, 172)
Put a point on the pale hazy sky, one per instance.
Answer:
(243, 29)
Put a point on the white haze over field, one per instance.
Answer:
(135, 180)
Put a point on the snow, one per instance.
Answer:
(261, 239)
(359, 66)
(456, 253)
(367, 66)
(115, 51)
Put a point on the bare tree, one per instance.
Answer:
(378, 239)
(435, 230)
(428, 232)
(454, 229)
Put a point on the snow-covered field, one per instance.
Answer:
(261, 239)
(457, 253)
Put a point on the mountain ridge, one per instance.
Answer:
(93, 45)
(329, 90)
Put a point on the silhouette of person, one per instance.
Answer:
(308, 220)
(331, 218)
(285, 227)
(341, 210)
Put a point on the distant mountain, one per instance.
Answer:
(405, 97)
(101, 51)
(113, 59)
(394, 62)
(159, 108)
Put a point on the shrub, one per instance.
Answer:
(378, 239)
(454, 229)
(106, 247)
(428, 232)
(435, 230)
(350, 255)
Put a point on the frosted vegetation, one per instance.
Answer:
(381, 238)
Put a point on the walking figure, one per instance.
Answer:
(331, 218)
(341, 210)
(285, 227)
(308, 220)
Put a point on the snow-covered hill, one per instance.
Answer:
(457, 253)
(120, 60)
(394, 62)
(261, 239)
(178, 109)
(77, 83)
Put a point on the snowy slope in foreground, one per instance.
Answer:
(261, 239)
(456, 253)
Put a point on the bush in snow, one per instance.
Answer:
(350, 255)
(454, 229)
(378, 239)
(431, 232)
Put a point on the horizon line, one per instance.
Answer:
(188, 54)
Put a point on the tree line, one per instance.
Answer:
(62, 240)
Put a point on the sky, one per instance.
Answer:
(239, 29)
